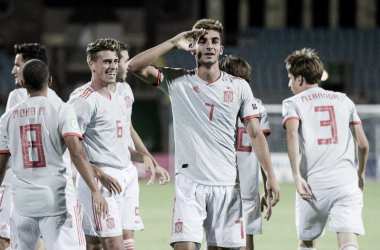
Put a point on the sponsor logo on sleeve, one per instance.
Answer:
(254, 106)
(74, 124)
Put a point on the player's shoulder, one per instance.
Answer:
(19, 93)
(231, 78)
(124, 86)
(177, 72)
(83, 93)
(52, 95)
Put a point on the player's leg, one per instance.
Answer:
(224, 225)
(189, 214)
(25, 231)
(346, 215)
(130, 217)
(252, 220)
(93, 243)
(5, 214)
(40, 245)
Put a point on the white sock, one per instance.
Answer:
(129, 244)
(350, 246)
(305, 248)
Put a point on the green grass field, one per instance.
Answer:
(156, 206)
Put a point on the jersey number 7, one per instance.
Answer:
(331, 122)
(32, 147)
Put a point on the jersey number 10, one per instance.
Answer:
(32, 146)
(331, 122)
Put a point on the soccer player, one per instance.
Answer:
(24, 53)
(205, 103)
(102, 120)
(323, 126)
(247, 162)
(36, 132)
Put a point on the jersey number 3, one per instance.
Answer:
(331, 122)
(33, 155)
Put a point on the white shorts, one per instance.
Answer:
(123, 207)
(215, 209)
(59, 232)
(5, 211)
(252, 216)
(342, 204)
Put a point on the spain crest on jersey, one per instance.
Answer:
(128, 102)
(178, 227)
(228, 96)
(110, 223)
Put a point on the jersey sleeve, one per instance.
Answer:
(264, 123)
(13, 100)
(69, 123)
(83, 111)
(289, 111)
(4, 142)
(354, 117)
(249, 107)
(167, 77)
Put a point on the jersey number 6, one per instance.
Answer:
(331, 122)
(32, 146)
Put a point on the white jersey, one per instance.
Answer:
(204, 116)
(247, 162)
(326, 142)
(102, 122)
(33, 133)
(14, 98)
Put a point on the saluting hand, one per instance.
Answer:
(186, 40)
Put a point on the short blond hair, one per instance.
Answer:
(101, 45)
(209, 24)
(305, 63)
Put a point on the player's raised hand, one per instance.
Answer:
(265, 202)
(149, 166)
(186, 40)
(273, 190)
(303, 189)
(101, 204)
(110, 183)
(164, 176)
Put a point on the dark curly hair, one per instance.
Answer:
(32, 51)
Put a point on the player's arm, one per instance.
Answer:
(107, 181)
(263, 201)
(142, 158)
(4, 157)
(140, 65)
(140, 147)
(82, 164)
(363, 151)
(292, 145)
(261, 149)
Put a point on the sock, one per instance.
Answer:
(205, 246)
(350, 246)
(305, 248)
(129, 244)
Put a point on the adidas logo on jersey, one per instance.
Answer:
(105, 112)
(196, 89)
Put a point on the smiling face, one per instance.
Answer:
(209, 48)
(123, 66)
(104, 69)
(16, 71)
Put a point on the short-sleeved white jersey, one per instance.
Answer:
(124, 90)
(33, 132)
(326, 142)
(247, 162)
(102, 121)
(14, 98)
(204, 116)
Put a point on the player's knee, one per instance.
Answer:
(349, 246)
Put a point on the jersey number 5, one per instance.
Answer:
(331, 122)
(33, 155)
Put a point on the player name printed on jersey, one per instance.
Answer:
(205, 123)
(33, 132)
(326, 143)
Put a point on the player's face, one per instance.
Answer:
(294, 84)
(209, 48)
(123, 67)
(16, 71)
(105, 67)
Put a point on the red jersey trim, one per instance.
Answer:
(267, 131)
(356, 122)
(74, 134)
(86, 93)
(158, 83)
(4, 151)
(292, 117)
(249, 117)
(208, 83)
